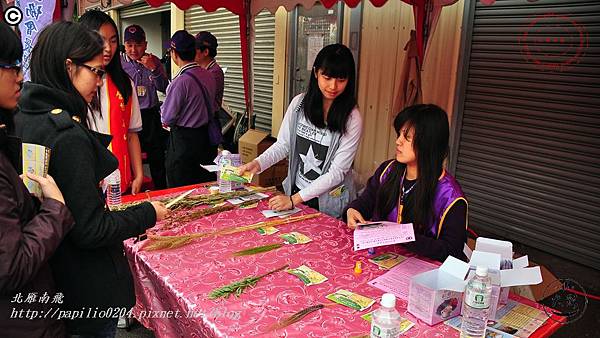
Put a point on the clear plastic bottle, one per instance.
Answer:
(476, 305)
(386, 320)
(224, 186)
(113, 189)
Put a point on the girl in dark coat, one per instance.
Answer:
(89, 266)
(30, 231)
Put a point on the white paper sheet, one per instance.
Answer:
(382, 233)
(315, 44)
(397, 280)
(281, 214)
(254, 197)
(213, 168)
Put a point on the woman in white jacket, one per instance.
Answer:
(320, 134)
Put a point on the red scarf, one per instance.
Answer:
(119, 118)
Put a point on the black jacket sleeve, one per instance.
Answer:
(74, 172)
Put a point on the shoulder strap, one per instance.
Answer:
(204, 93)
(385, 172)
(61, 119)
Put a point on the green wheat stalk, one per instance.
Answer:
(237, 288)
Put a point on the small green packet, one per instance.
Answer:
(405, 324)
(249, 206)
(307, 275)
(230, 173)
(296, 238)
(387, 260)
(350, 299)
(337, 192)
(267, 230)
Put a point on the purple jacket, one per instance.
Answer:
(446, 231)
(447, 193)
(29, 234)
(217, 73)
(185, 105)
(149, 81)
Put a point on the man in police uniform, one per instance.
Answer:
(186, 112)
(148, 76)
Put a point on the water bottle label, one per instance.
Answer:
(476, 299)
(114, 194)
(380, 332)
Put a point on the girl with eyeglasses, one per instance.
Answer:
(89, 266)
(30, 229)
(116, 109)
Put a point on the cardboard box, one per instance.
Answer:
(254, 143)
(537, 292)
(433, 292)
(436, 295)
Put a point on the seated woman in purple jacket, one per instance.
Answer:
(415, 188)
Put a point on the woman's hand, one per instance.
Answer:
(281, 203)
(49, 187)
(252, 167)
(354, 217)
(136, 185)
(161, 211)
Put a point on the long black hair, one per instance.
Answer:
(57, 43)
(430, 144)
(11, 51)
(334, 61)
(93, 20)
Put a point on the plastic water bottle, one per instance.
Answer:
(224, 186)
(386, 320)
(113, 189)
(476, 308)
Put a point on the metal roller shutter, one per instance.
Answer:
(139, 8)
(263, 69)
(224, 25)
(528, 154)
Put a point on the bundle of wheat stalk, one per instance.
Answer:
(298, 316)
(155, 242)
(191, 201)
(174, 220)
(196, 200)
(237, 288)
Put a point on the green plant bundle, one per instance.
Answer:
(156, 242)
(237, 288)
(258, 249)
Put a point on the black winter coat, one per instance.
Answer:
(89, 267)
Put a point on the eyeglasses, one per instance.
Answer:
(14, 66)
(98, 71)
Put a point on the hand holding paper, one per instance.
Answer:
(372, 235)
(231, 173)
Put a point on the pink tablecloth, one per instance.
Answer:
(175, 283)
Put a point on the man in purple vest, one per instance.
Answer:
(186, 112)
(148, 77)
(206, 50)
